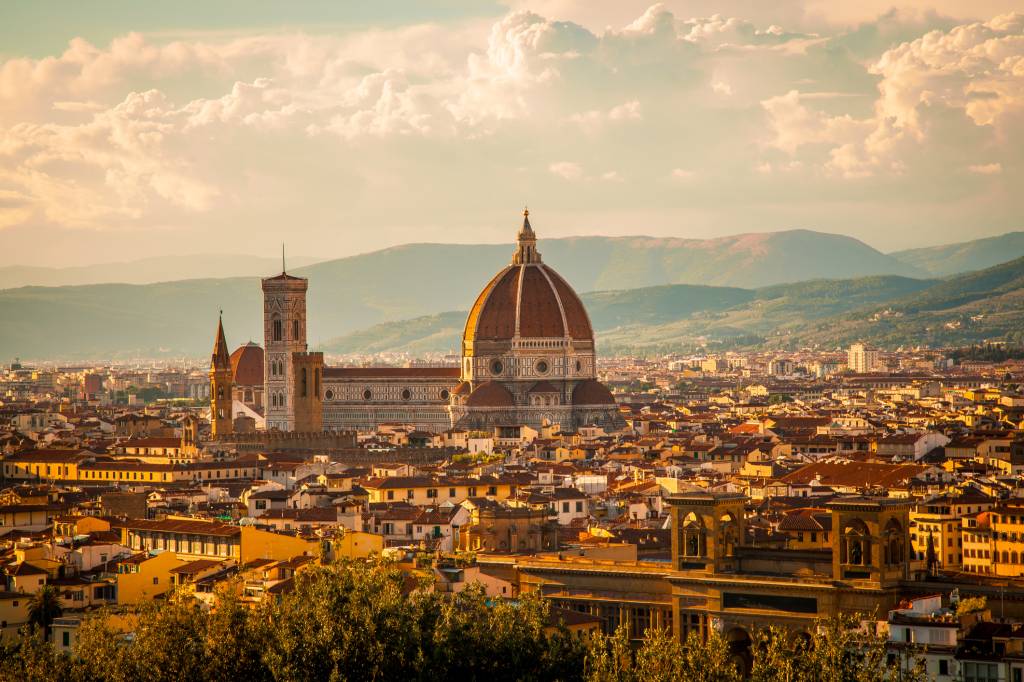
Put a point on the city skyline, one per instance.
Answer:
(130, 133)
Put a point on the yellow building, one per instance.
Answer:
(424, 491)
(355, 545)
(977, 538)
(261, 544)
(1007, 533)
(145, 576)
(13, 613)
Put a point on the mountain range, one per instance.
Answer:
(886, 310)
(646, 292)
(144, 270)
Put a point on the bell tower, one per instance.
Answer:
(284, 333)
(220, 385)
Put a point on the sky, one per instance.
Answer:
(131, 129)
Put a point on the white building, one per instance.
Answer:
(862, 360)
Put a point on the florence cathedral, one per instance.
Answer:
(528, 359)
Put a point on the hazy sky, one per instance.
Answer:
(130, 129)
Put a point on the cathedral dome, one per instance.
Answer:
(247, 365)
(527, 299)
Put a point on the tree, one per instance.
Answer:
(44, 607)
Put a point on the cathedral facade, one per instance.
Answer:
(528, 359)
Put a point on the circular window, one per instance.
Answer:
(406, 394)
(497, 367)
(329, 395)
(579, 366)
(367, 394)
(542, 367)
(444, 394)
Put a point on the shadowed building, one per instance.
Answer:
(718, 579)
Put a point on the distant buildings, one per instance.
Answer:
(862, 360)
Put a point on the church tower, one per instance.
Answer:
(284, 333)
(220, 385)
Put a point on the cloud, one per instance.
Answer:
(974, 71)
(236, 135)
(567, 170)
(986, 168)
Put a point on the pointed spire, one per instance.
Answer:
(526, 251)
(221, 359)
(284, 270)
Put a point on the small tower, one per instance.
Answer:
(220, 385)
(526, 251)
(189, 435)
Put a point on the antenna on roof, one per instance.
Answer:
(284, 270)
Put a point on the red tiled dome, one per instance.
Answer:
(247, 365)
(490, 394)
(591, 392)
(463, 388)
(542, 305)
(527, 299)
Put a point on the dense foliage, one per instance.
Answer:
(360, 622)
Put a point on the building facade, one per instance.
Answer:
(528, 360)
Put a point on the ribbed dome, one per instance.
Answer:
(247, 365)
(527, 299)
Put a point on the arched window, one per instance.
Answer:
(295, 330)
(277, 331)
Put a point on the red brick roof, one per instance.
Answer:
(531, 299)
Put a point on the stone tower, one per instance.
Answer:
(220, 385)
(307, 402)
(284, 333)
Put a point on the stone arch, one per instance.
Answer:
(728, 534)
(739, 649)
(694, 541)
(855, 543)
(894, 543)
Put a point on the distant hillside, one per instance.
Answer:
(976, 254)
(146, 270)
(970, 308)
(667, 317)
(354, 293)
(888, 311)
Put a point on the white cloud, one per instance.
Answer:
(986, 168)
(567, 170)
(264, 129)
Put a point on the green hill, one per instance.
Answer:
(664, 317)
(352, 294)
(951, 259)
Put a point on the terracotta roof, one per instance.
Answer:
(183, 526)
(530, 299)
(858, 474)
(247, 365)
(591, 392)
(392, 372)
(543, 387)
(490, 394)
(464, 388)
